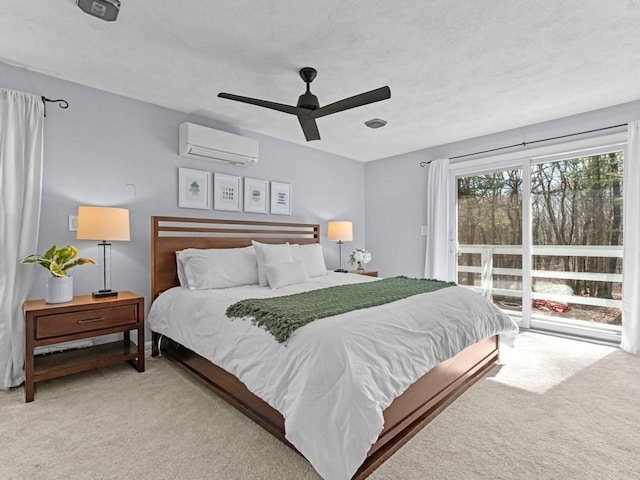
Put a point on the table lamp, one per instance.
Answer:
(340, 232)
(106, 224)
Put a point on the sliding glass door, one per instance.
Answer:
(489, 227)
(543, 239)
(576, 222)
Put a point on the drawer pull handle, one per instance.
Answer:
(91, 320)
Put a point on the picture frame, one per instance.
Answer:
(193, 189)
(226, 192)
(280, 198)
(255, 195)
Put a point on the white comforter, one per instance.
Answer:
(334, 377)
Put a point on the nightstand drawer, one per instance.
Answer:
(87, 320)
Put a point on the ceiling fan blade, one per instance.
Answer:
(266, 104)
(309, 127)
(356, 101)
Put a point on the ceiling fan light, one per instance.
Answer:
(375, 123)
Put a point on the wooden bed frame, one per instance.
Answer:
(406, 415)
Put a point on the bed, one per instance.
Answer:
(402, 418)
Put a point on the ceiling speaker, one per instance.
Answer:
(104, 9)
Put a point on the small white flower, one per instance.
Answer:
(359, 257)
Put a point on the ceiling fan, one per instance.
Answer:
(308, 108)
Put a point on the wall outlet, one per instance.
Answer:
(424, 231)
(73, 223)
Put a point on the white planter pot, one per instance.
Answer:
(59, 289)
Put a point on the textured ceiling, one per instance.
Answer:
(456, 69)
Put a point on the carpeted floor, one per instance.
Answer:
(556, 409)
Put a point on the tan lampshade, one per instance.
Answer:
(103, 223)
(340, 231)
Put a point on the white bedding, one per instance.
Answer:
(334, 377)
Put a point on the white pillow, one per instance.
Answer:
(217, 267)
(311, 257)
(267, 253)
(182, 277)
(283, 274)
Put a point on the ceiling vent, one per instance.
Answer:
(196, 141)
(103, 9)
(375, 123)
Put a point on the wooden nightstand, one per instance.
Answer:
(369, 273)
(83, 317)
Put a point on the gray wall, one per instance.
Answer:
(104, 144)
(109, 150)
(395, 207)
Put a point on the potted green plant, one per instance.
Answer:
(59, 287)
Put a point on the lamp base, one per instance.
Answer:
(104, 293)
(341, 270)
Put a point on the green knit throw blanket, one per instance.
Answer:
(283, 315)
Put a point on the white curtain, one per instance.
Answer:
(21, 125)
(631, 249)
(439, 243)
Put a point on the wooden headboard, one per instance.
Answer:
(170, 234)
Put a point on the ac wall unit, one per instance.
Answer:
(196, 141)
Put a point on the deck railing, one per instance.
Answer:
(487, 271)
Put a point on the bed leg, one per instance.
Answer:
(155, 344)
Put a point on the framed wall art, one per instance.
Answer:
(193, 189)
(255, 195)
(226, 192)
(280, 198)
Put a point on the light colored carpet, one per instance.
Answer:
(557, 409)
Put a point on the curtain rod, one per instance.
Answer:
(524, 144)
(61, 103)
